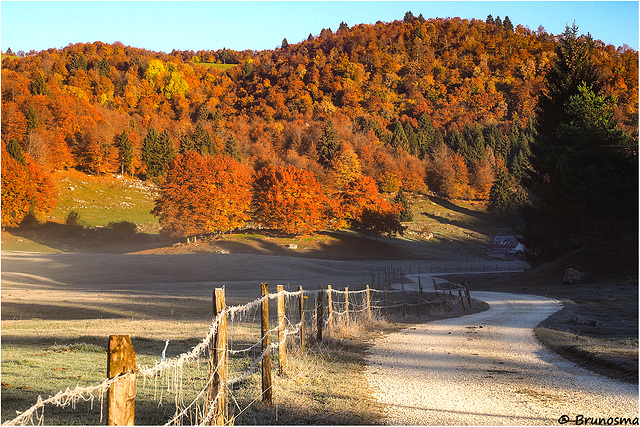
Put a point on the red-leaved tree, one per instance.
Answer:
(204, 195)
(26, 190)
(290, 200)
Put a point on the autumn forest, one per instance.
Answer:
(328, 133)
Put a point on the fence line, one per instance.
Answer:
(203, 410)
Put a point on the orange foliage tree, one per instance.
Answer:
(290, 200)
(361, 205)
(26, 190)
(203, 195)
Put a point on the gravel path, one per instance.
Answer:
(489, 369)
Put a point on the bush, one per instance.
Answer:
(123, 229)
(73, 220)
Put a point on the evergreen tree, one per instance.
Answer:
(32, 118)
(157, 152)
(583, 173)
(231, 148)
(38, 86)
(343, 26)
(15, 150)
(404, 214)
(412, 140)
(498, 21)
(424, 136)
(508, 26)
(125, 149)
(285, 44)
(501, 195)
(490, 20)
(329, 143)
(399, 139)
(203, 141)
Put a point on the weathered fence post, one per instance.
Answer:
(330, 307)
(386, 303)
(267, 395)
(346, 305)
(319, 312)
(218, 361)
(282, 344)
(121, 399)
(460, 297)
(368, 302)
(466, 288)
(303, 331)
(404, 299)
(420, 287)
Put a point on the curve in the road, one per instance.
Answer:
(489, 369)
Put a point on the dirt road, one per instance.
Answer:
(489, 369)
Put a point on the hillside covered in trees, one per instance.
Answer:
(447, 106)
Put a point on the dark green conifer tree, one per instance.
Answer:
(583, 174)
(399, 139)
(231, 148)
(125, 150)
(405, 214)
(15, 150)
(329, 143)
(157, 152)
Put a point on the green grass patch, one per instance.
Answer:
(221, 67)
(100, 200)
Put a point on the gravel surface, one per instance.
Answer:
(489, 369)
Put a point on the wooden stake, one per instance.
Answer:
(319, 312)
(282, 344)
(368, 301)
(121, 399)
(346, 305)
(218, 360)
(303, 332)
(267, 395)
(330, 306)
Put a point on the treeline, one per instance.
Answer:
(441, 105)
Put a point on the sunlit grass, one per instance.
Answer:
(103, 199)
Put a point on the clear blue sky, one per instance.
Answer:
(167, 25)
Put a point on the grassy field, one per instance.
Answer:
(103, 199)
(216, 66)
(325, 385)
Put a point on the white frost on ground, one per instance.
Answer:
(489, 369)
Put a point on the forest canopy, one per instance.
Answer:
(447, 106)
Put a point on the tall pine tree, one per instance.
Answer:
(583, 174)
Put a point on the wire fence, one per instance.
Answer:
(215, 382)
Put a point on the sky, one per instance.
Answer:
(238, 25)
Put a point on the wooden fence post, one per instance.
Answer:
(461, 299)
(420, 287)
(386, 303)
(218, 361)
(303, 332)
(267, 395)
(404, 299)
(319, 312)
(368, 302)
(282, 344)
(466, 288)
(330, 307)
(121, 398)
(346, 305)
